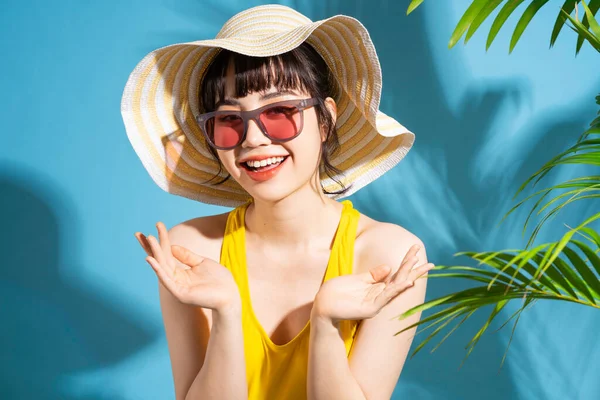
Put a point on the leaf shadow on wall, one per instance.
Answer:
(54, 325)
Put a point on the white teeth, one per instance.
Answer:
(265, 162)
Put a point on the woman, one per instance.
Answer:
(301, 301)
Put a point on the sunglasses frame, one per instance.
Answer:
(300, 104)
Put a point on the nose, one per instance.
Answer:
(254, 136)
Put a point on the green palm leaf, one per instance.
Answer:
(564, 158)
(593, 237)
(481, 16)
(567, 8)
(525, 19)
(567, 270)
(466, 20)
(501, 18)
(586, 151)
(452, 330)
(593, 9)
(413, 5)
(581, 182)
(527, 302)
(479, 10)
(497, 308)
(583, 31)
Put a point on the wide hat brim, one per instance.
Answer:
(160, 102)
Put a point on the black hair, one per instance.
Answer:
(300, 68)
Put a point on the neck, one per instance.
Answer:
(299, 221)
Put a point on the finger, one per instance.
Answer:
(412, 251)
(408, 262)
(391, 291)
(156, 250)
(165, 243)
(143, 242)
(376, 274)
(407, 265)
(420, 271)
(186, 256)
(403, 272)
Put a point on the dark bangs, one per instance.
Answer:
(299, 69)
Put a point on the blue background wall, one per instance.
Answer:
(78, 303)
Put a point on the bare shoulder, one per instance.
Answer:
(204, 234)
(380, 242)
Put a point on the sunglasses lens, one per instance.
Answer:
(282, 122)
(225, 130)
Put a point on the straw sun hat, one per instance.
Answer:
(160, 102)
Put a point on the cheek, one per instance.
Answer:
(313, 137)
(228, 162)
(308, 147)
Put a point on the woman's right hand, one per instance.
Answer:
(191, 278)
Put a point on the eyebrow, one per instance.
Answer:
(233, 102)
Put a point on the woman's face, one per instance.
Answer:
(298, 170)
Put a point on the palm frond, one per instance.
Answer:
(527, 302)
(594, 238)
(584, 31)
(585, 152)
(566, 270)
(581, 185)
(525, 19)
(593, 8)
(480, 17)
(413, 5)
(497, 308)
(567, 8)
(479, 10)
(500, 19)
(465, 21)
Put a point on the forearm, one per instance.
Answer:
(329, 376)
(223, 374)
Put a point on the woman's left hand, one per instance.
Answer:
(362, 296)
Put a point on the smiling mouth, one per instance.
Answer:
(262, 168)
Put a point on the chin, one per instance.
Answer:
(277, 188)
(275, 193)
(269, 195)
